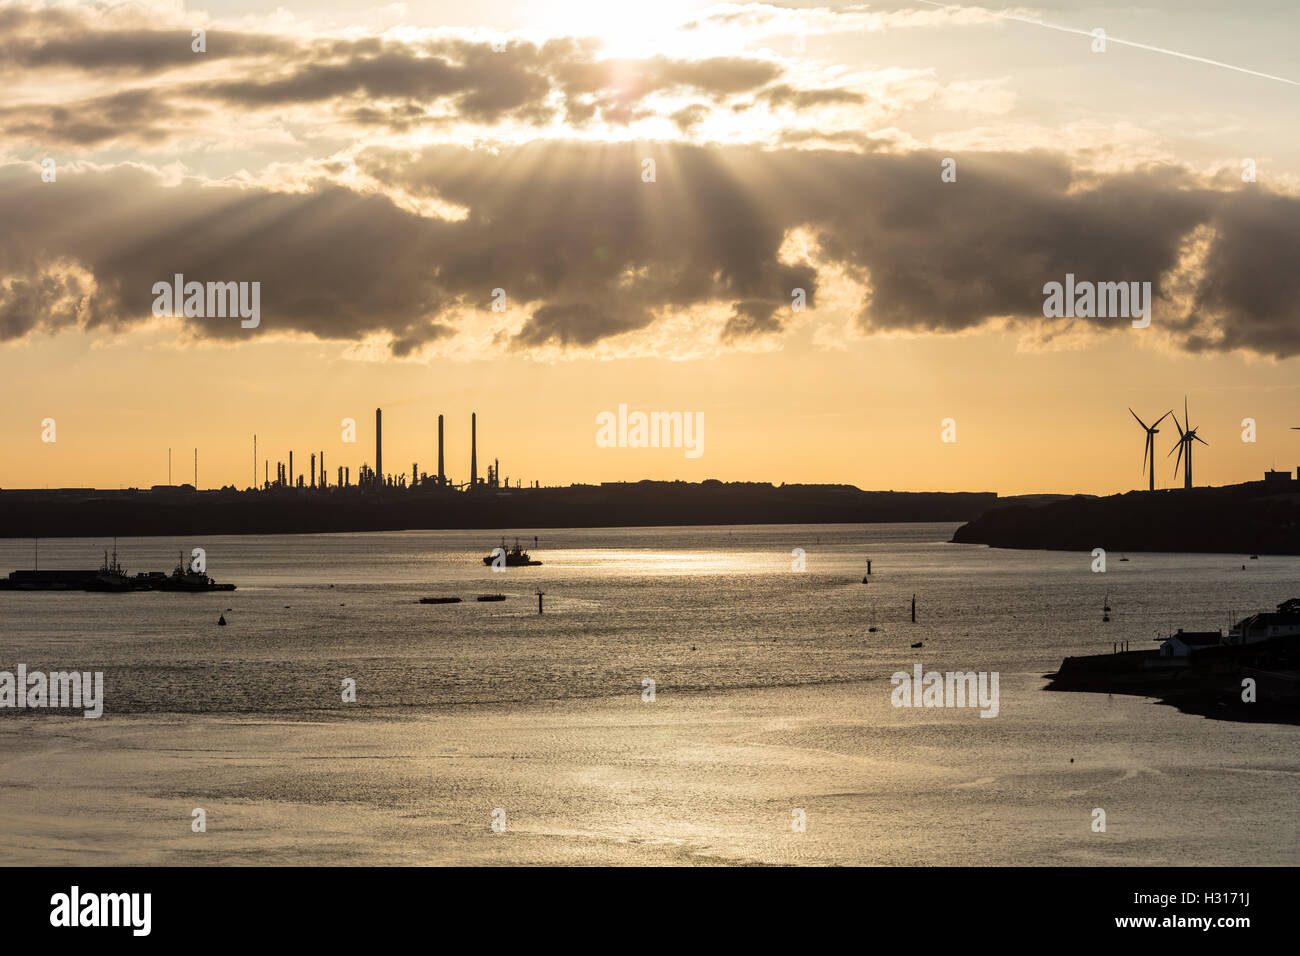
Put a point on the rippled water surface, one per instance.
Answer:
(772, 693)
(696, 608)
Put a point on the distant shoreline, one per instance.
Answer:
(91, 513)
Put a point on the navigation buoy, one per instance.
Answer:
(222, 620)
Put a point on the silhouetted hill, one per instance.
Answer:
(89, 513)
(1252, 518)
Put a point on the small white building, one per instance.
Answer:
(1184, 642)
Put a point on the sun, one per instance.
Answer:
(627, 29)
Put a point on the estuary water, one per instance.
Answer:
(770, 695)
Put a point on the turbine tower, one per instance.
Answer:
(1186, 435)
(1150, 447)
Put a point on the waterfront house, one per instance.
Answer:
(1184, 642)
(1284, 622)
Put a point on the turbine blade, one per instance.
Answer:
(1200, 439)
(1166, 415)
(1179, 460)
(1135, 415)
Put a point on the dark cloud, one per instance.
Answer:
(1249, 297)
(332, 263)
(689, 116)
(45, 301)
(470, 79)
(613, 88)
(46, 38)
(579, 323)
(782, 94)
(138, 114)
(573, 229)
(750, 318)
(484, 86)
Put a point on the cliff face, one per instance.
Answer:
(1252, 518)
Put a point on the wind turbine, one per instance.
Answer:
(1186, 435)
(1150, 446)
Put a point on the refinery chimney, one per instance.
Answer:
(442, 478)
(379, 446)
(473, 449)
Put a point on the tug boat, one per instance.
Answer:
(185, 578)
(515, 557)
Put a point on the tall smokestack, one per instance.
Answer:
(324, 480)
(473, 449)
(379, 446)
(313, 469)
(290, 469)
(442, 478)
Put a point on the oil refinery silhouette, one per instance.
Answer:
(294, 501)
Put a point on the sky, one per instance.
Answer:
(540, 211)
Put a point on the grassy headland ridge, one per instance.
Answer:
(1252, 518)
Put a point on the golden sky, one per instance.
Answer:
(381, 170)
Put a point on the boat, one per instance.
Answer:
(515, 557)
(440, 600)
(110, 576)
(491, 597)
(185, 578)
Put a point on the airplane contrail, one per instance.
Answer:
(1111, 39)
